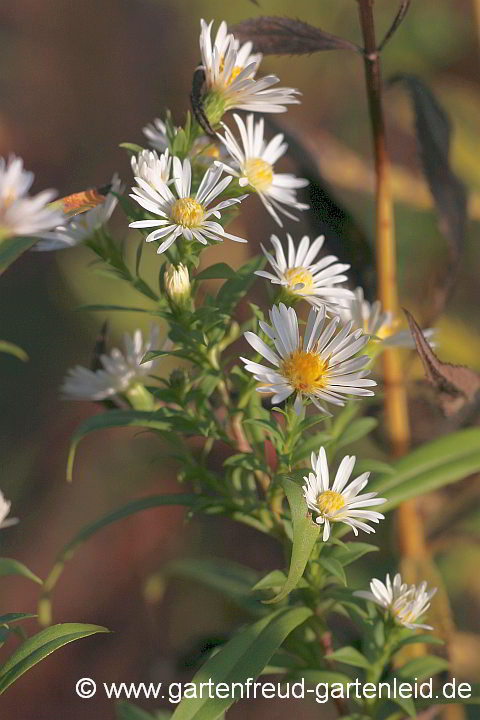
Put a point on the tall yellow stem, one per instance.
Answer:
(411, 540)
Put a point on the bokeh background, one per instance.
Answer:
(77, 79)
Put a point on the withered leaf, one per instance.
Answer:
(457, 385)
(433, 130)
(286, 36)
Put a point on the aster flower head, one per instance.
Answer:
(19, 213)
(230, 70)
(5, 506)
(156, 134)
(382, 326)
(203, 151)
(253, 164)
(152, 167)
(341, 502)
(182, 213)
(302, 275)
(405, 603)
(82, 227)
(120, 370)
(322, 367)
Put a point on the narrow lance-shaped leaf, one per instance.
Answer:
(12, 248)
(399, 18)
(243, 657)
(12, 349)
(288, 36)
(36, 648)
(145, 503)
(10, 566)
(433, 130)
(305, 535)
(456, 385)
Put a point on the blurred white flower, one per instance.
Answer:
(254, 166)
(341, 502)
(380, 325)
(19, 213)
(120, 371)
(405, 603)
(83, 226)
(5, 506)
(321, 368)
(184, 214)
(230, 71)
(305, 277)
(156, 134)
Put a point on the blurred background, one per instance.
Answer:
(77, 79)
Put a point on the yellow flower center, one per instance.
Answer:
(259, 173)
(329, 502)
(297, 275)
(234, 74)
(306, 371)
(187, 212)
(211, 151)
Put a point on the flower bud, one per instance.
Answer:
(177, 284)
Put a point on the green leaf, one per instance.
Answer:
(229, 578)
(349, 656)
(310, 444)
(268, 426)
(10, 618)
(219, 271)
(313, 677)
(420, 638)
(112, 308)
(12, 248)
(9, 566)
(39, 646)
(423, 667)
(133, 147)
(333, 567)
(350, 552)
(145, 503)
(275, 579)
(406, 704)
(305, 535)
(243, 657)
(126, 711)
(12, 349)
(356, 431)
(159, 420)
(431, 466)
(237, 287)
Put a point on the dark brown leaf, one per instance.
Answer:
(457, 385)
(286, 36)
(399, 17)
(434, 132)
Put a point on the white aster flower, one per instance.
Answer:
(5, 506)
(120, 371)
(83, 226)
(184, 214)
(405, 603)
(341, 502)
(321, 368)
(19, 213)
(230, 71)
(380, 325)
(303, 276)
(156, 134)
(254, 166)
(151, 167)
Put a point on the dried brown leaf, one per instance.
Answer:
(457, 385)
(286, 36)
